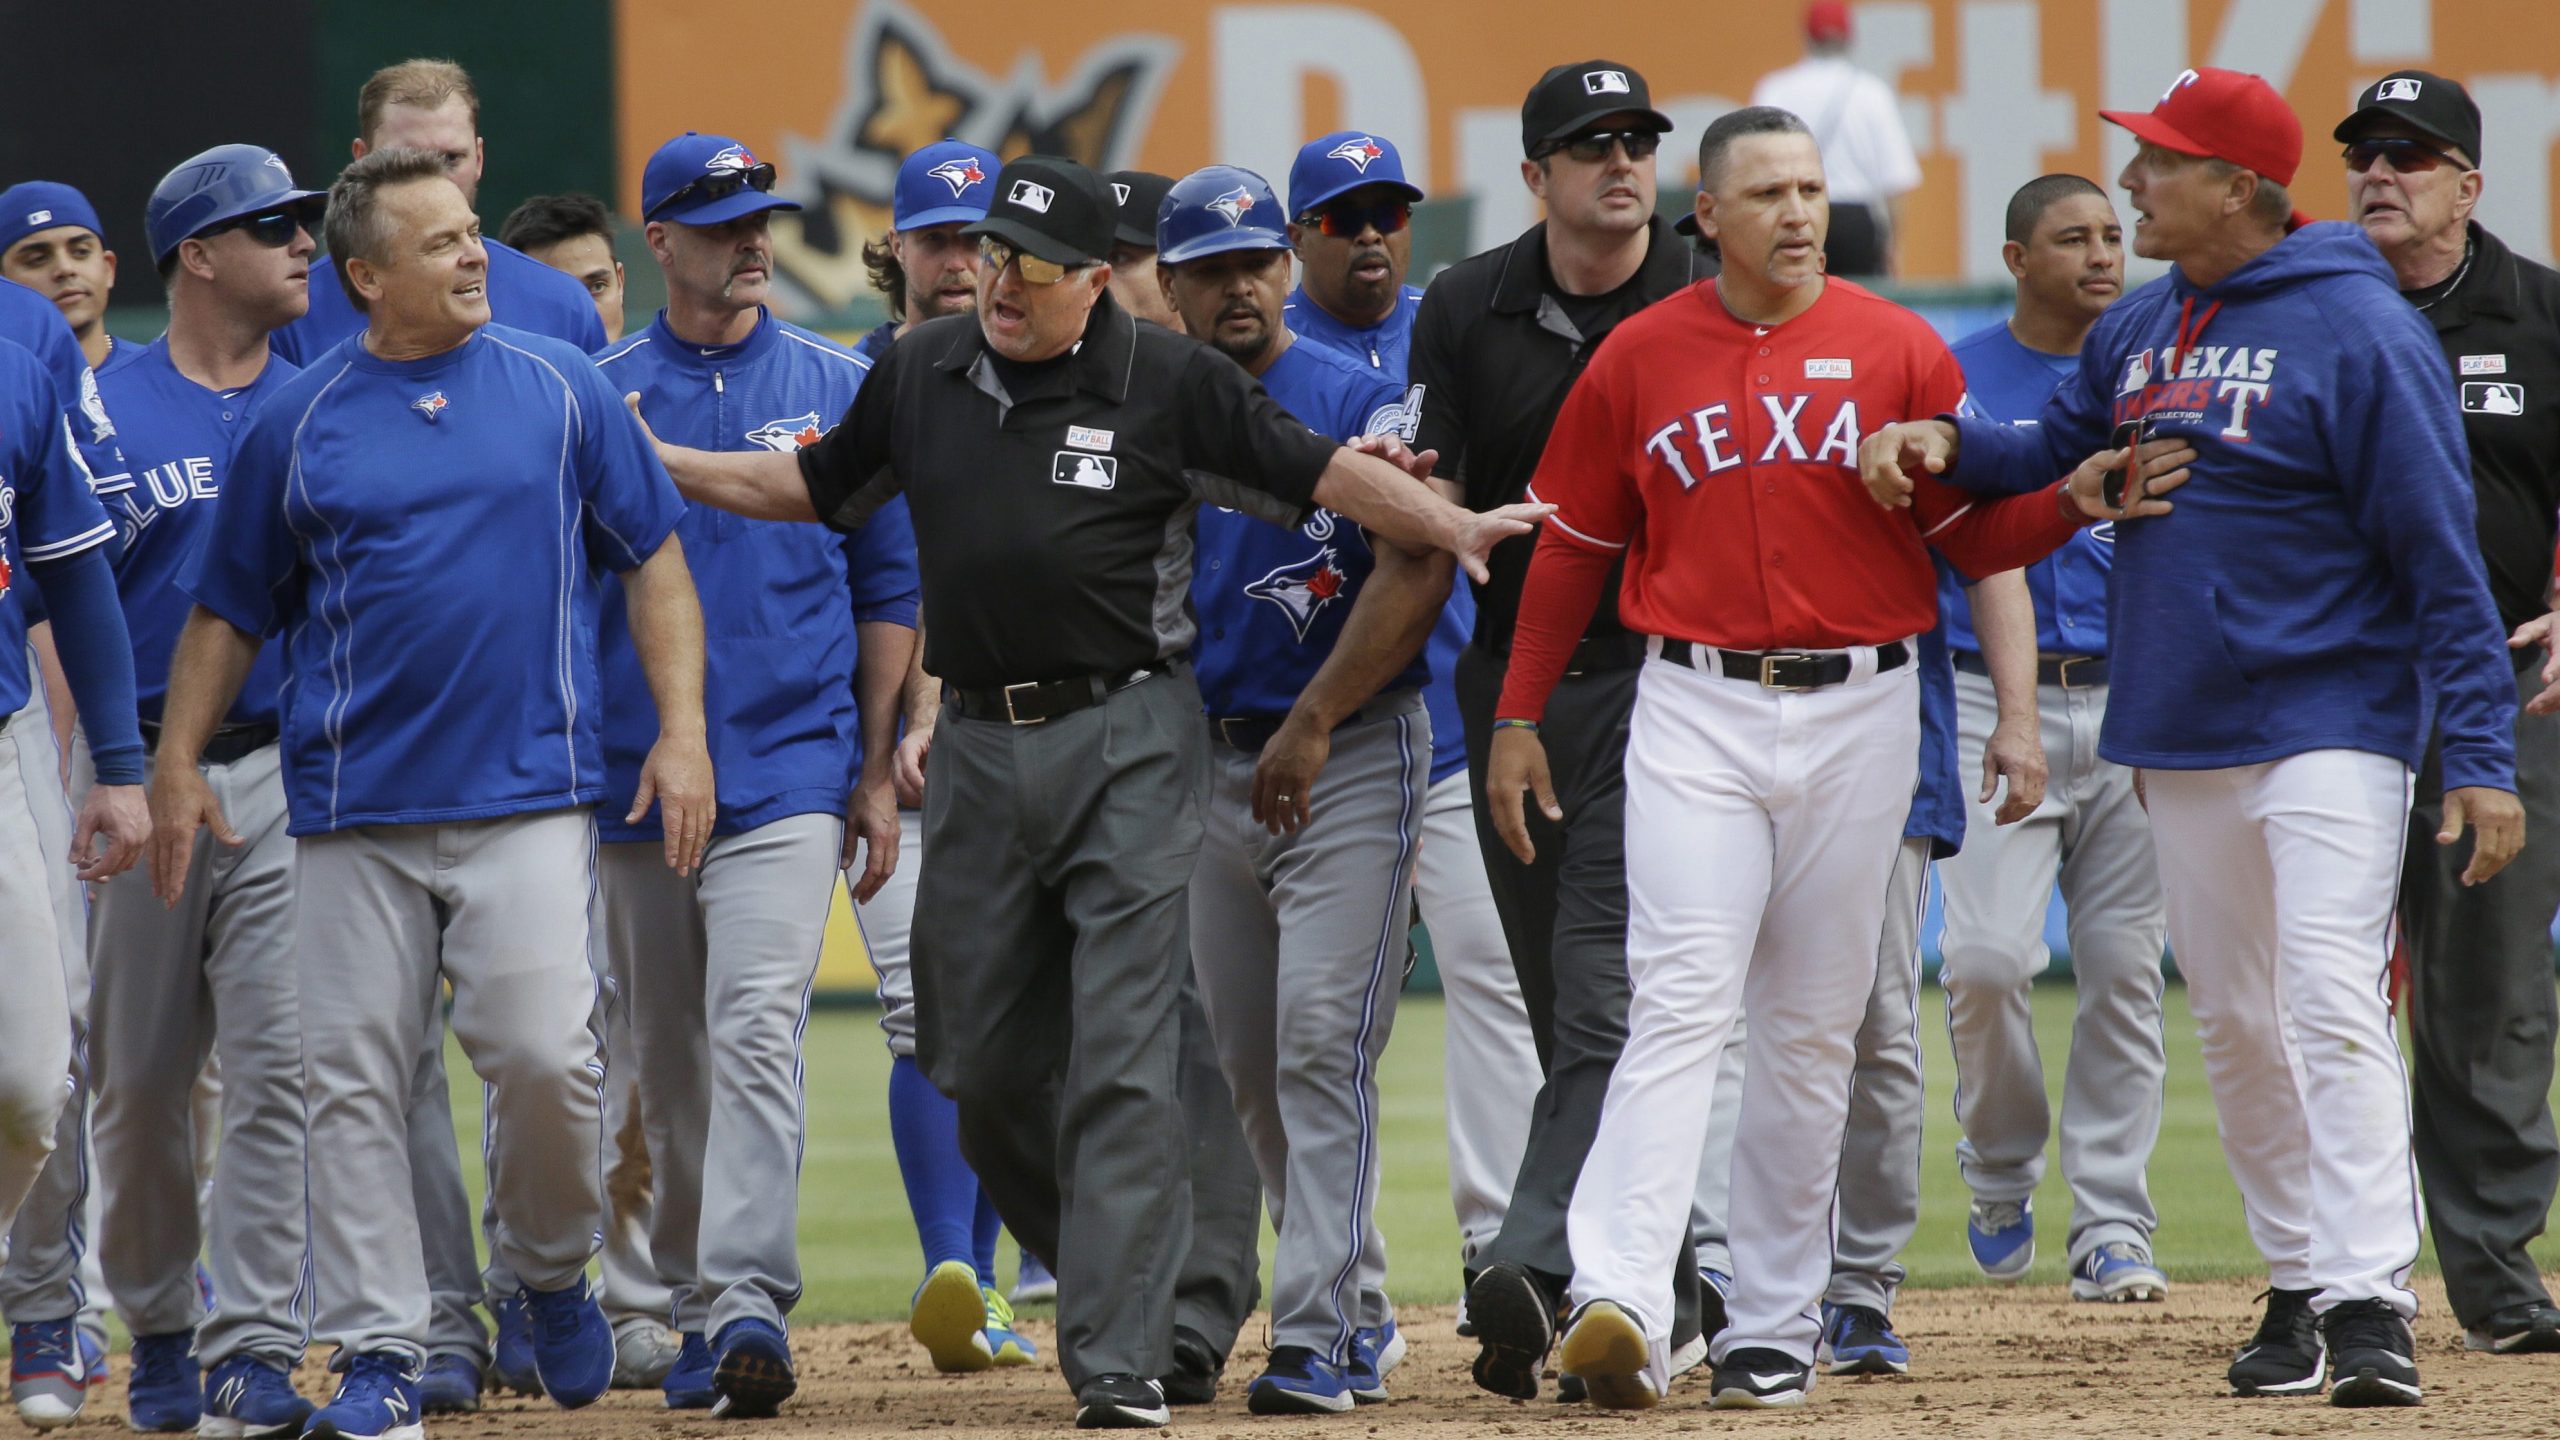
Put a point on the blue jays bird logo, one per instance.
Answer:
(1233, 205)
(736, 157)
(788, 435)
(430, 405)
(958, 174)
(1357, 152)
(1303, 590)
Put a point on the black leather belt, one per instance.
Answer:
(1598, 654)
(2071, 672)
(1784, 669)
(1250, 733)
(227, 746)
(1037, 700)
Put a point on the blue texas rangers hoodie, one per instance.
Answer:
(2319, 584)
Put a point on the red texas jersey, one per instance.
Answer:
(1722, 457)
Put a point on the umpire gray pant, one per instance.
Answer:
(44, 975)
(2481, 1023)
(1051, 945)
(720, 964)
(1299, 943)
(385, 913)
(212, 977)
(2092, 828)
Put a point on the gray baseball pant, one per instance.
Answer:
(721, 963)
(445, 1222)
(212, 978)
(1299, 942)
(2092, 828)
(1880, 1150)
(888, 931)
(2482, 1016)
(386, 912)
(1050, 948)
(44, 973)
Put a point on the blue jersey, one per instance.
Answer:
(524, 294)
(33, 322)
(779, 666)
(1271, 602)
(177, 440)
(47, 511)
(2010, 383)
(1383, 348)
(429, 537)
(1937, 806)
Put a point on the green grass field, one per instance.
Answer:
(858, 1248)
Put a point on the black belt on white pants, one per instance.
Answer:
(1783, 669)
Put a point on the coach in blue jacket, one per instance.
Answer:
(718, 964)
(2283, 644)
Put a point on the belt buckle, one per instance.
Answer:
(1769, 670)
(1010, 714)
(2062, 672)
(1227, 733)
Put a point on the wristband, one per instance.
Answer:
(1529, 725)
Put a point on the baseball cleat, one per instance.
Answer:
(1859, 1340)
(2119, 1271)
(572, 1344)
(1515, 1327)
(2370, 1351)
(688, 1384)
(1196, 1368)
(249, 1397)
(1032, 1282)
(1606, 1348)
(643, 1352)
(49, 1373)
(1298, 1381)
(1121, 1402)
(1009, 1346)
(949, 1318)
(511, 1360)
(2529, 1329)
(166, 1391)
(377, 1401)
(1760, 1379)
(1685, 1358)
(753, 1374)
(2002, 1236)
(1375, 1351)
(2286, 1356)
(450, 1386)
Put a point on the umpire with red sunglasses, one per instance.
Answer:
(2482, 1010)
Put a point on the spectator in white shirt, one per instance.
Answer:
(1866, 154)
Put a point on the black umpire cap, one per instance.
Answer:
(2422, 101)
(1053, 208)
(1141, 193)
(1569, 98)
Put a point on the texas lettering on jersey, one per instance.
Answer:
(2166, 385)
(1704, 442)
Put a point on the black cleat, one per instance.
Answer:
(1515, 1324)
(1196, 1368)
(1121, 1402)
(2370, 1349)
(2286, 1356)
(2528, 1329)
(1758, 1378)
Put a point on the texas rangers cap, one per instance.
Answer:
(223, 183)
(33, 205)
(1053, 208)
(2225, 115)
(1826, 21)
(698, 179)
(2421, 101)
(1141, 194)
(945, 181)
(1215, 210)
(1336, 164)
(1570, 97)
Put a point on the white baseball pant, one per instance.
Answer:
(35, 1024)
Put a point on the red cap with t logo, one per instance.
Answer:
(2226, 115)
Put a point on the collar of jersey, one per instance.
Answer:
(1669, 261)
(683, 352)
(1100, 364)
(1326, 319)
(364, 359)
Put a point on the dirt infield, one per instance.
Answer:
(1987, 1363)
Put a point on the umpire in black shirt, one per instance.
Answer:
(1498, 342)
(2482, 1013)
(1052, 451)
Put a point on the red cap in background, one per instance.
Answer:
(1826, 20)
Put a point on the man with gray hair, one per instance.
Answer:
(426, 514)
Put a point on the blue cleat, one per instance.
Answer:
(512, 1359)
(2002, 1234)
(50, 1372)
(572, 1342)
(1859, 1340)
(1009, 1346)
(1298, 1381)
(949, 1318)
(688, 1385)
(2118, 1271)
(166, 1393)
(753, 1375)
(1032, 1282)
(377, 1401)
(247, 1396)
(1375, 1351)
(451, 1386)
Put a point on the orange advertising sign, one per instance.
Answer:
(1993, 92)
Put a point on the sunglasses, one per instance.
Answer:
(273, 229)
(2123, 485)
(720, 186)
(2404, 156)
(1035, 270)
(1343, 221)
(1593, 148)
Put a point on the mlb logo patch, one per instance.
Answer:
(2137, 373)
(39, 217)
(2403, 89)
(1031, 196)
(1085, 472)
(1605, 82)
(2492, 397)
(2484, 364)
(1826, 369)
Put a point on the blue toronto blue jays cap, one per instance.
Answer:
(1332, 165)
(33, 205)
(945, 181)
(224, 183)
(698, 179)
(1212, 211)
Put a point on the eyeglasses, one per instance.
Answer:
(2403, 155)
(1593, 148)
(1342, 221)
(1035, 270)
(273, 229)
(719, 186)
(2124, 484)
